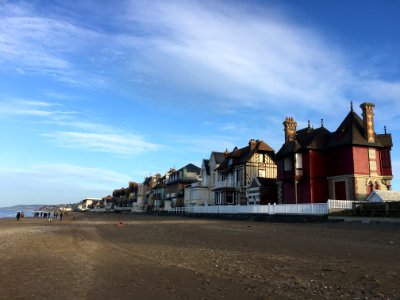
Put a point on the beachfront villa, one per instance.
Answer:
(347, 164)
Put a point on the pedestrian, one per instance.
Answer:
(18, 215)
(61, 216)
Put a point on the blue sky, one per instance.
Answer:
(95, 94)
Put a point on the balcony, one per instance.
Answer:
(227, 184)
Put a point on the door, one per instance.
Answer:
(340, 190)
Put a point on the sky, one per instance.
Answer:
(94, 94)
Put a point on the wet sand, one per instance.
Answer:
(88, 256)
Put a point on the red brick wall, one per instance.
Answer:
(361, 160)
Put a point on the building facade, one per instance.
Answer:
(348, 164)
(239, 167)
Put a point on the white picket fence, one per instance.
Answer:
(339, 205)
(294, 209)
(270, 209)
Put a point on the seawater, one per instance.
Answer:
(9, 213)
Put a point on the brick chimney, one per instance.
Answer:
(290, 129)
(252, 144)
(368, 121)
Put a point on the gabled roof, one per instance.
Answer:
(218, 156)
(147, 180)
(350, 132)
(242, 155)
(206, 163)
(190, 168)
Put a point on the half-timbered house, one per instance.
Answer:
(239, 167)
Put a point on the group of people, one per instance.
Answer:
(48, 214)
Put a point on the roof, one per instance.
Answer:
(218, 156)
(349, 133)
(384, 195)
(263, 182)
(206, 163)
(190, 168)
(242, 155)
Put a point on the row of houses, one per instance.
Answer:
(313, 165)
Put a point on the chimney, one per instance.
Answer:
(368, 121)
(252, 144)
(226, 153)
(290, 129)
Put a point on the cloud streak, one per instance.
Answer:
(122, 144)
(87, 135)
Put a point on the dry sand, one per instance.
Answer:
(88, 257)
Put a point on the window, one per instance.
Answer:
(299, 161)
(288, 164)
(385, 158)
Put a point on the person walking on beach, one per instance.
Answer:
(18, 215)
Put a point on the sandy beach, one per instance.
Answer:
(88, 256)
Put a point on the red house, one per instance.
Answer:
(315, 164)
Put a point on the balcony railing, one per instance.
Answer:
(228, 183)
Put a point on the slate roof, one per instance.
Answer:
(242, 155)
(349, 132)
(218, 156)
(207, 165)
(383, 195)
(190, 168)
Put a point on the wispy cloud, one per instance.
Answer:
(236, 55)
(86, 135)
(244, 57)
(24, 107)
(36, 43)
(122, 144)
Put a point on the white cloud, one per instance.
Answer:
(86, 135)
(122, 144)
(25, 107)
(31, 42)
(244, 57)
